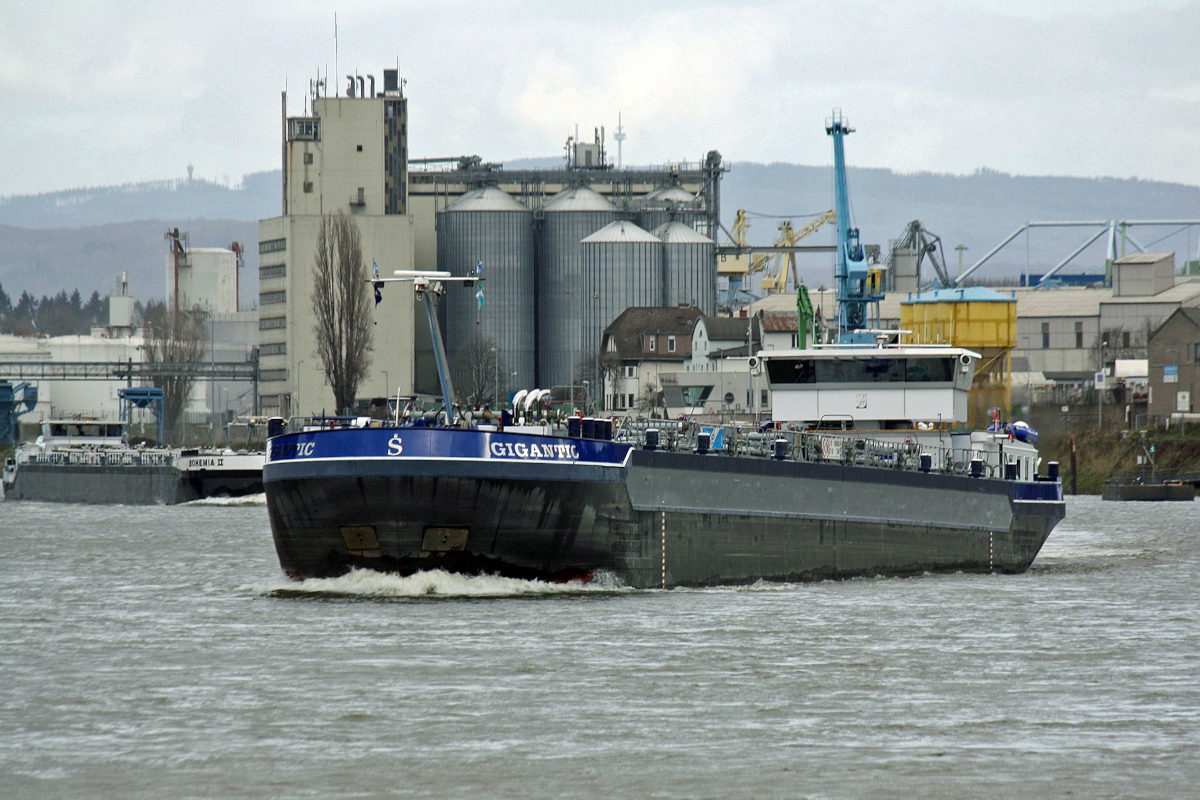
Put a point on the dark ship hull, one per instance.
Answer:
(134, 478)
(405, 500)
(133, 485)
(1148, 492)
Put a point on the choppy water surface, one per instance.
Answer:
(155, 652)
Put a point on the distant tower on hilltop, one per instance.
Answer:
(190, 168)
(620, 137)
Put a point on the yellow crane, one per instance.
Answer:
(778, 265)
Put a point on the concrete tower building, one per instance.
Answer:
(349, 154)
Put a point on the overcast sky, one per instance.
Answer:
(109, 92)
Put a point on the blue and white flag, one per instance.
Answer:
(479, 266)
(378, 284)
(376, 266)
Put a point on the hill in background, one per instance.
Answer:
(258, 195)
(82, 238)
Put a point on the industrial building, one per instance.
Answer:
(209, 278)
(206, 278)
(554, 274)
(586, 239)
(346, 154)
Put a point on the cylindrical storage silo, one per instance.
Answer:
(570, 216)
(490, 227)
(623, 269)
(689, 267)
(670, 203)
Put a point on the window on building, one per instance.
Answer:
(271, 323)
(268, 298)
(1045, 335)
(1196, 353)
(268, 375)
(276, 349)
(631, 400)
(1125, 339)
(795, 340)
(763, 399)
(308, 187)
(272, 271)
(670, 344)
(304, 128)
(650, 343)
(631, 371)
(360, 148)
(269, 400)
(272, 245)
(1078, 335)
(308, 158)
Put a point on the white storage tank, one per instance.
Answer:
(689, 267)
(623, 269)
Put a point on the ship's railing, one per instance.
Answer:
(806, 446)
(683, 436)
(60, 458)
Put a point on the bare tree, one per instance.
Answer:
(342, 307)
(1119, 342)
(477, 372)
(600, 370)
(174, 337)
(651, 400)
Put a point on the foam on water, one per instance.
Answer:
(245, 500)
(438, 583)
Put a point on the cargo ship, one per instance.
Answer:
(864, 470)
(894, 488)
(89, 461)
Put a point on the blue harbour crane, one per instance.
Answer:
(12, 398)
(852, 277)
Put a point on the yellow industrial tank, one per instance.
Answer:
(977, 318)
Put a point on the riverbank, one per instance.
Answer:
(1102, 454)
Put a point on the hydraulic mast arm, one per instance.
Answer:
(852, 275)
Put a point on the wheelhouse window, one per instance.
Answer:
(929, 369)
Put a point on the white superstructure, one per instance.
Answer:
(915, 395)
(875, 387)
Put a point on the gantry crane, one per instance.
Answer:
(779, 266)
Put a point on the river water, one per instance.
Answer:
(159, 652)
